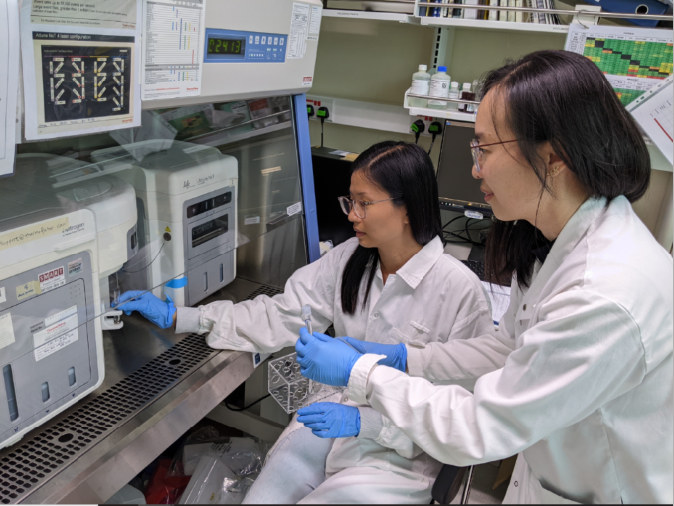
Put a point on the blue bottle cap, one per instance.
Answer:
(442, 69)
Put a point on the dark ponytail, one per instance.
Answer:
(405, 172)
(562, 98)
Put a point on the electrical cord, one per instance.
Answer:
(148, 265)
(232, 408)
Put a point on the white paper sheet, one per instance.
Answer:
(653, 112)
(81, 65)
(9, 82)
(644, 42)
(173, 45)
(299, 30)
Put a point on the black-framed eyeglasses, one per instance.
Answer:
(478, 153)
(359, 206)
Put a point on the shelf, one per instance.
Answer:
(442, 114)
(493, 25)
(399, 17)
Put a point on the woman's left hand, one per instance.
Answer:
(325, 359)
(329, 419)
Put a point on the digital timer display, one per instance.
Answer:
(225, 46)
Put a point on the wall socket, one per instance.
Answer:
(322, 102)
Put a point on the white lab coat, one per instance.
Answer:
(432, 297)
(583, 384)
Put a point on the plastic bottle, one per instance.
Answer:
(420, 86)
(453, 93)
(439, 88)
(466, 94)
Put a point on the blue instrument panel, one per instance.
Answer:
(233, 46)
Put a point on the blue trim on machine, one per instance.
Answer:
(307, 176)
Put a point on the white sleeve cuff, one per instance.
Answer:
(187, 320)
(371, 423)
(357, 387)
(415, 361)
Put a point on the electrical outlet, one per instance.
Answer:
(322, 102)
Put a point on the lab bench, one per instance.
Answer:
(157, 385)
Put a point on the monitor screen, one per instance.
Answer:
(457, 189)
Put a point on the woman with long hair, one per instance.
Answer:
(390, 284)
(578, 379)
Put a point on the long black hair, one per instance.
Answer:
(564, 99)
(406, 173)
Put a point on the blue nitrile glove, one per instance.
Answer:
(396, 354)
(149, 305)
(325, 359)
(329, 419)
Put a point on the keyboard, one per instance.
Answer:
(477, 266)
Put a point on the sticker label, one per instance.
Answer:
(28, 290)
(75, 267)
(6, 330)
(61, 315)
(251, 220)
(473, 214)
(56, 344)
(61, 330)
(307, 81)
(52, 279)
(3, 295)
(294, 209)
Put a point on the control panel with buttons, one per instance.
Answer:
(234, 46)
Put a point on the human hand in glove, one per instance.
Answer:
(149, 305)
(329, 419)
(325, 359)
(396, 354)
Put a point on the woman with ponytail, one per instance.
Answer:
(391, 284)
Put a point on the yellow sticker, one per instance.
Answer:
(167, 229)
(28, 290)
(25, 235)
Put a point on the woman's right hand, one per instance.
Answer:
(159, 312)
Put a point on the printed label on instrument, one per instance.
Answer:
(307, 81)
(3, 295)
(74, 267)
(28, 290)
(61, 315)
(251, 220)
(6, 330)
(52, 279)
(58, 335)
(294, 209)
(473, 214)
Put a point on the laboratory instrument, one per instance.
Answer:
(186, 197)
(61, 238)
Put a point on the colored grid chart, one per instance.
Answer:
(173, 52)
(633, 60)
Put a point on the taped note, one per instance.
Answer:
(299, 30)
(27, 234)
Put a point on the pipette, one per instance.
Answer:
(306, 316)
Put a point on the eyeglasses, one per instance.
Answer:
(477, 151)
(359, 206)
